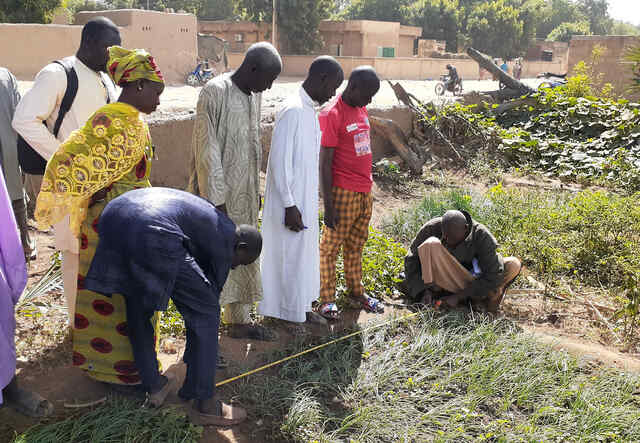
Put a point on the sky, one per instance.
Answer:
(625, 10)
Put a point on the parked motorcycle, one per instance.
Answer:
(443, 84)
(200, 75)
(552, 80)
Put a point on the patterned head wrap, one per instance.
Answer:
(126, 66)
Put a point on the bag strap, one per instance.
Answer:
(69, 94)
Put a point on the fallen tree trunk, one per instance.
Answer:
(510, 82)
(392, 133)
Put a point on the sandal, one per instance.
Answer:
(329, 311)
(296, 329)
(31, 404)
(369, 304)
(315, 318)
(157, 399)
(252, 332)
(221, 362)
(229, 415)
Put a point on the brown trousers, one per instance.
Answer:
(441, 269)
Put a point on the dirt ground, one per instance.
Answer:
(44, 347)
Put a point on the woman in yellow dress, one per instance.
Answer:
(107, 157)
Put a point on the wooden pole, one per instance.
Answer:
(488, 64)
(274, 24)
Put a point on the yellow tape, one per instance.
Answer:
(315, 348)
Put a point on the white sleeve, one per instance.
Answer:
(281, 155)
(36, 106)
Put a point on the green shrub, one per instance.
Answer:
(591, 236)
(382, 261)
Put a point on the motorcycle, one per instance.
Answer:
(200, 75)
(552, 80)
(443, 84)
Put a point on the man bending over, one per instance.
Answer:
(455, 259)
(159, 243)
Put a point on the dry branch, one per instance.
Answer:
(394, 135)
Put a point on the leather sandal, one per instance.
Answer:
(157, 399)
(228, 416)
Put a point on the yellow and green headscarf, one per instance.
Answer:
(126, 66)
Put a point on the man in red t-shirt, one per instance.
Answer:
(345, 176)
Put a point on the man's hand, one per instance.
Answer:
(330, 218)
(222, 208)
(293, 219)
(98, 196)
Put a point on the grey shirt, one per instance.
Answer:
(9, 98)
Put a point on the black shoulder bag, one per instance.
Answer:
(30, 161)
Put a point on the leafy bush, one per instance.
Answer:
(580, 138)
(382, 261)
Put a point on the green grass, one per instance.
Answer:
(441, 379)
(590, 236)
(118, 420)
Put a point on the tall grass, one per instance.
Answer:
(443, 379)
(118, 420)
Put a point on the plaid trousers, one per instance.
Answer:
(354, 213)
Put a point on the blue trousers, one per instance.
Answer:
(198, 303)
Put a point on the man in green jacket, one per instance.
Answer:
(455, 259)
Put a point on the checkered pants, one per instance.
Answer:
(354, 213)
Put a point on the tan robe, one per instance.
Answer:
(226, 159)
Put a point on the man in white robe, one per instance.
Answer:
(290, 262)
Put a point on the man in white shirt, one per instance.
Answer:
(290, 261)
(42, 104)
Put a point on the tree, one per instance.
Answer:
(556, 12)
(438, 19)
(217, 9)
(565, 31)
(27, 11)
(494, 28)
(622, 28)
(298, 20)
(383, 10)
(597, 13)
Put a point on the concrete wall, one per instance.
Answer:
(401, 68)
(611, 63)
(172, 39)
(172, 140)
(406, 45)
(27, 48)
(250, 32)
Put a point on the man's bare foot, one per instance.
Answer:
(252, 332)
(26, 402)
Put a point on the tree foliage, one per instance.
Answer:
(383, 10)
(27, 11)
(495, 28)
(298, 20)
(565, 31)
